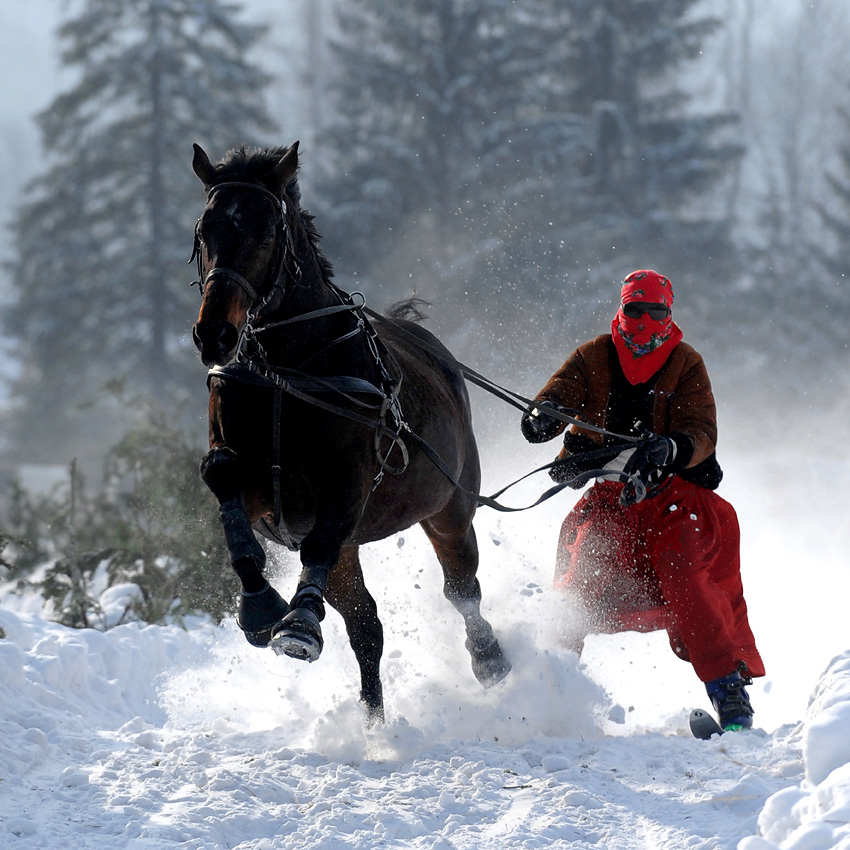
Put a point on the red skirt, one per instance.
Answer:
(670, 562)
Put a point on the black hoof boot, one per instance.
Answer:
(489, 663)
(259, 613)
(299, 634)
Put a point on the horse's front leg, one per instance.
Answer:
(299, 634)
(260, 605)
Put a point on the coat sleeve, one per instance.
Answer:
(569, 385)
(692, 409)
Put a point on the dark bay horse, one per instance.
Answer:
(318, 421)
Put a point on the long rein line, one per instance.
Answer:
(274, 376)
(509, 396)
(524, 404)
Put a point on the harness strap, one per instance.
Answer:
(337, 341)
(311, 384)
(250, 373)
(509, 396)
(310, 398)
(313, 314)
(245, 185)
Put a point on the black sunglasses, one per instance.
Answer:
(635, 309)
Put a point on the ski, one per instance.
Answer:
(703, 725)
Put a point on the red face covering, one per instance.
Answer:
(644, 344)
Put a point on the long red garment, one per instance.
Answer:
(670, 562)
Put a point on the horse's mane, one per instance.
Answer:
(254, 164)
(409, 309)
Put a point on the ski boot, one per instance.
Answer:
(731, 701)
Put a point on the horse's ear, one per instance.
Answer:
(285, 170)
(202, 166)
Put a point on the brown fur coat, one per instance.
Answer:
(684, 402)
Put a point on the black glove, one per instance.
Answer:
(650, 460)
(584, 455)
(537, 426)
(564, 471)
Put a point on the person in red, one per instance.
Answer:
(650, 545)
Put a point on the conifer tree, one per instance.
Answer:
(538, 150)
(102, 238)
(441, 118)
(828, 296)
(652, 165)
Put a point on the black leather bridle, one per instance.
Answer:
(283, 251)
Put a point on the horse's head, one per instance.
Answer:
(241, 241)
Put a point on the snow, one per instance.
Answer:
(152, 737)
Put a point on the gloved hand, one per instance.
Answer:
(565, 470)
(651, 458)
(537, 426)
(584, 456)
(572, 473)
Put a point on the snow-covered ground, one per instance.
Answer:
(149, 737)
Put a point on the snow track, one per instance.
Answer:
(151, 738)
(95, 755)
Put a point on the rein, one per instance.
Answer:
(307, 387)
(524, 404)
(509, 396)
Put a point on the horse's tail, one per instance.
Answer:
(409, 309)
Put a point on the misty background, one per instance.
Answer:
(508, 161)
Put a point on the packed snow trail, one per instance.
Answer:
(94, 757)
(152, 737)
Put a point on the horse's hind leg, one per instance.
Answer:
(347, 593)
(453, 538)
(260, 605)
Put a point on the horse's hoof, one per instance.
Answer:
(372, 700)
(489, 663)
(259, 613)
(374, 716)
(298, 635)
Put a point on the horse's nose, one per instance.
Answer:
(215, 341)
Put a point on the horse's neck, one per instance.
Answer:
(311, 339)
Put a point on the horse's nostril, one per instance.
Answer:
(215, 341)
(228, 338)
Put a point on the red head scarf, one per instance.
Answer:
(644, 344)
